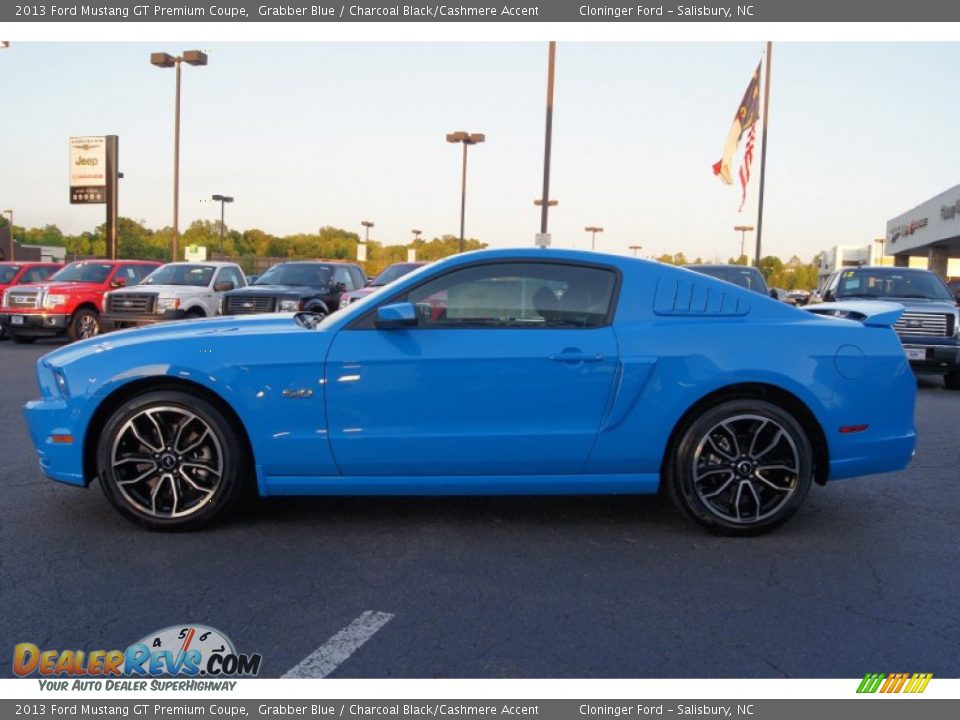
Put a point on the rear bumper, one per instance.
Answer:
(35, 324)
(119, 321)
(866, 455)
(59, 461)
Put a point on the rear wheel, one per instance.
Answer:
(742, 467)
(952, 380)
(22, 339)
(170, 461)
(85, 324)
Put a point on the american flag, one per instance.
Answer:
(745, 164)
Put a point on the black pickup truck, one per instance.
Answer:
(312, 285)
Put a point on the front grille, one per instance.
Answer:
(138, 304)
(23, 299)
(917, 324)
(247, 305)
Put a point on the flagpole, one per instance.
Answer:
(763, 151)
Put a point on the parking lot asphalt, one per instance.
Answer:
(866, 578)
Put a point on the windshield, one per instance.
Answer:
(92, 272)
(394, 272)
(196, 275)
(8, 273)
(296, 274)
(916, 284)
(746, 277)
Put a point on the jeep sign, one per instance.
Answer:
(88, 170)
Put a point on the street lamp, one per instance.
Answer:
(635, 248)
(223, 200)
(10, 237)
(743, 230)
(882, 243)
(593, 230)
(461, 136)
(416, 234)
(165, 60)
(550, 203)
(366, 227)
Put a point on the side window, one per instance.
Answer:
(342, 275)
(133, 274)
(229, 274)
(37, 274)
(517, 295)
(358, 280)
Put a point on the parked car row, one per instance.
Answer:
(88, 297)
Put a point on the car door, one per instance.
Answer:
(508, 372)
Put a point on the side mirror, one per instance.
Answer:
(118, 282)
(338, 287)
(827, 296)
(223, 286)
(774, 294)
(397, 315)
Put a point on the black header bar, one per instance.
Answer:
(829, 11)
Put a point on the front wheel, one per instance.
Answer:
(170, 461)
(85, 324)
(743, 467)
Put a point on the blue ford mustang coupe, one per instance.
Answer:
(495, 372)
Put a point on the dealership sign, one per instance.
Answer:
(907, 229)
(88, 170)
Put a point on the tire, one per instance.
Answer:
(716, 474)
(22, 339)
(952, 380)
(170, 461)
(85, 324)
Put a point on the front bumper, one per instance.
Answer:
(35, 324)
(59, 460)
(925, 357)
(119, 321)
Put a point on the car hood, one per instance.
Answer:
(165, 333)
(161, 289)
(364, 291)
(65, 288)
(275, 290)
(924, 305)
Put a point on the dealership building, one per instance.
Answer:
(931, 230)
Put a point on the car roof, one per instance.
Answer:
(211, 263)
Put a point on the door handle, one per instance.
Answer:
(576, 357)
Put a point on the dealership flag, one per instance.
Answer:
(745, 119)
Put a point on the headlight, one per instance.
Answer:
(5, 304)
(289, 305)
(164, 304)
(52, 301)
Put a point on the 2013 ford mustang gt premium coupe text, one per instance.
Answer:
(495, 372)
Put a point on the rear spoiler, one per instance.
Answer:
(870, 312)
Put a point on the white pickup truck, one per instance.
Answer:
(175, 291)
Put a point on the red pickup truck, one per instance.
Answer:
(21, 273)
(70, 302)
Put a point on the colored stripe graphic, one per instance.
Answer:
(870, 683)
(894, 683)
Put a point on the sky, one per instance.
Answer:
(307, 134)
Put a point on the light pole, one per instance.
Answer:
(366, 227)
(593, 230)
(223, 200)
(635, 248)
(416, 234)
(882, 243)
(165, 60)
(10, 236)
(743, 230)
(461, 136)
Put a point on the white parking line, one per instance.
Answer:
(329, 656)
